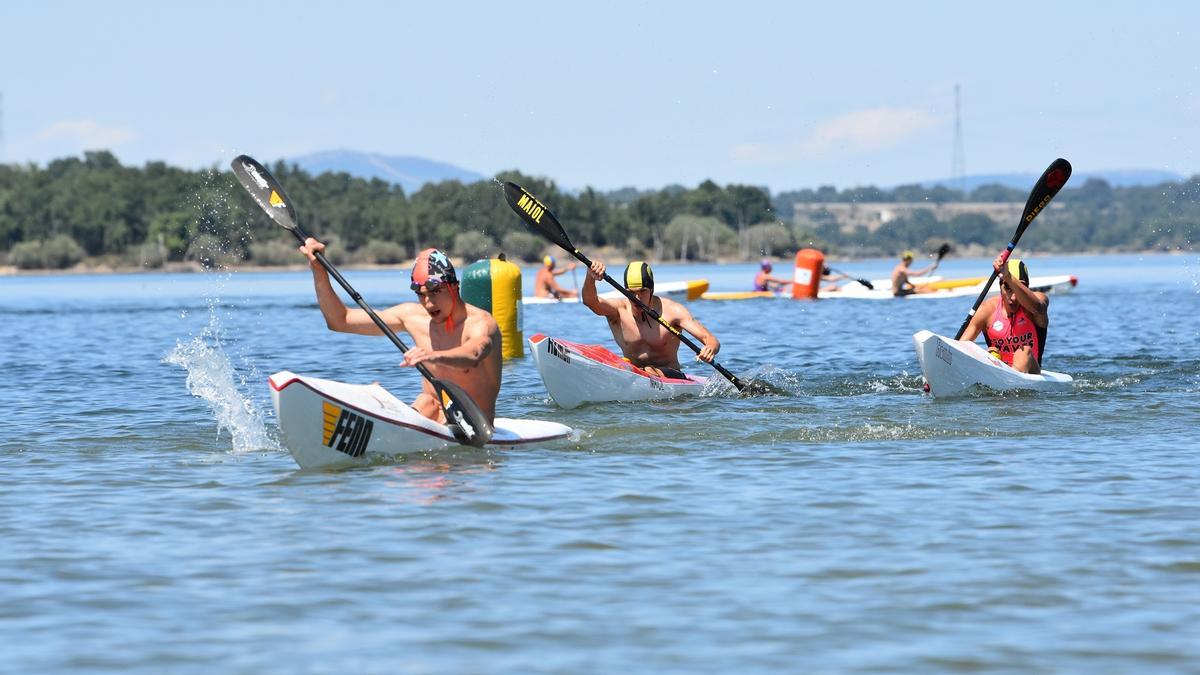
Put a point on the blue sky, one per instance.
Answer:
(784, 95)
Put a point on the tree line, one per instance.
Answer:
(94, 208)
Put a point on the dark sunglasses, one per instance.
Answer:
(431, 284)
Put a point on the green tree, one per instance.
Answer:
(523, 246)
(994, 192)
(769, 239)
(158, 212)
(474, 246)
(169, 229)
(975, 228)
(697, 237)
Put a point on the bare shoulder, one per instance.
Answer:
(404, 311)
(481, 318)
(987, 307)
(672, 310)
(670, 305)
(610, 307)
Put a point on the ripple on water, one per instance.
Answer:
(847, 522)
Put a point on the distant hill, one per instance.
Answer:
(413, 172)
(408, 172)
(1115, 178)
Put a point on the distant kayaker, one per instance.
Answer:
(644, 341)
(1013, 323)
(545, 285)
(763, 281)
(900, 275)
(456, 341)
(830, 278)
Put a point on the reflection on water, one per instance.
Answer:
(426, 481)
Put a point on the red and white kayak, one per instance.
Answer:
(576, 373)
(326, 423)
(676, 290)
(953, 367)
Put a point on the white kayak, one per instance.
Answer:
(676, 290)
(326, 423)
(576, 373)
(1056, 284)
(953, 367)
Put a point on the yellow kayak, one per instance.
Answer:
(676, 290)
(951, 283)
(743, 295)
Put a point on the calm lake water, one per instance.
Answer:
(152, 523)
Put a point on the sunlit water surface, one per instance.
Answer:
(151, 522)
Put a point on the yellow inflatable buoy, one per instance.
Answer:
(495, 286)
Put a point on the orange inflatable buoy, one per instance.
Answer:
(806, 280)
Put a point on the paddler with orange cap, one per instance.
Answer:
(645, 342)
(1013, 323)
(456, 341)
(545, 285)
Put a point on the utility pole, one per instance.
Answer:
(958, 161)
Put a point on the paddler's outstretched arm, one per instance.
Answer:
(924, 270)
(588, 294)
(339, 317)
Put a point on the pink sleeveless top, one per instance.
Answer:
(760, 281)
(1007, 335)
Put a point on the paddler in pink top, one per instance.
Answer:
(1013, 323)
(763, 281)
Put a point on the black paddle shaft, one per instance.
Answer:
(870, 286)
(1053, 178)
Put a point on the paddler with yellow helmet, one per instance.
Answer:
(545, 286)
(901, 286)
(645, 342)
(1013, 323)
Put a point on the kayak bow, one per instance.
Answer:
(327, 423)
(576, 373)
(953, 367)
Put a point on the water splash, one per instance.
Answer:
(212, 377)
